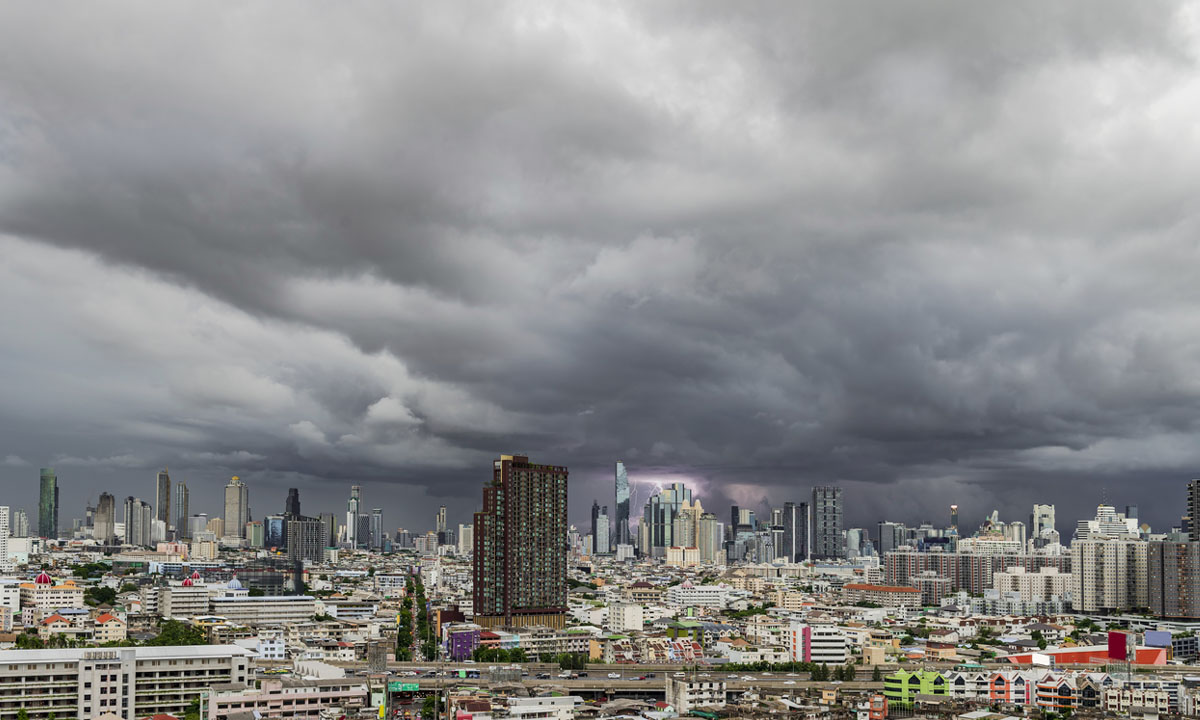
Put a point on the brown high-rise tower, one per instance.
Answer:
(520, 543)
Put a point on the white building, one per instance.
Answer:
(688, 595)
(128, 682)
(264, 610)
(1109, 574)
(5, 564)
(561, 707)
(816, 643)
(625, 617)
(689, 693)
(1041, 586)
(289, 698)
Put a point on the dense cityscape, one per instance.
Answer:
(671, 610)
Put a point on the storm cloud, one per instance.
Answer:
(933, 252)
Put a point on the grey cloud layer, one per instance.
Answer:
(926, 250)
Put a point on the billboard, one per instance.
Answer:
(1158, 638)
(1117, 645)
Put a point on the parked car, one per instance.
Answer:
(614, 676)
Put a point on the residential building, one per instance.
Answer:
(139, 516)
(691, 693)
(520, 559)
(882, 595)
(264, 610)
(288, 698)
(42, 595)
(130, 683)
(1109, 574)
(306, 539)
(1173, 577)
(815, 643)
(1045, 584)
(5, 565)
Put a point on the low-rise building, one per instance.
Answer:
(688, 693)
(288, 698)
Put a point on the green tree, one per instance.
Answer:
(22, 714)
(99, 595)
(429, 707)
(876, 675)
(174, 632)
(128, 588)
(848, 672)
(256, 592)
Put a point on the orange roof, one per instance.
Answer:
(55, 617)
(107, 617)
(880, 588)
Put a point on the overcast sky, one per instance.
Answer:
(933, 252)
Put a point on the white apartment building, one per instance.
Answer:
(1041, 586)
(131, 683)
(5, 564)
(687, 694)
(288, 697)
(816, 643)
(264, 610)
(561, 707)
(688, 595)
(1109, 574)
(183, 600)
(625, 617)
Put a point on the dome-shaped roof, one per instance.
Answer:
(188, 582)
(43, 579)
(234, 584)
(195, 574)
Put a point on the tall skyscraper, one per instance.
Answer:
(441, 519)
(162, 498)
(139, 517)
(520, 558)
(622, 506)
(600, 540)
(795, 532)
(105, 520)
(330, 527)
(48, 504)
(182, 512)
(352, 507)
(237, 507)
(291, 506)
(954, 517)
(595, 548)
(20, 523)
(275, 531)
(827, 523)
(377, 528)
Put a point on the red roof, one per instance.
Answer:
(160, 716)
(107, 617)
(488, 635)
(43, 579)
(54, 617)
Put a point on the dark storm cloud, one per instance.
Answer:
(929, 251)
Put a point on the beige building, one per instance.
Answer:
(1109, 574)
(1041, 586)
(288, 698)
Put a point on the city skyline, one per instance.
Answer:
(894, 264)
